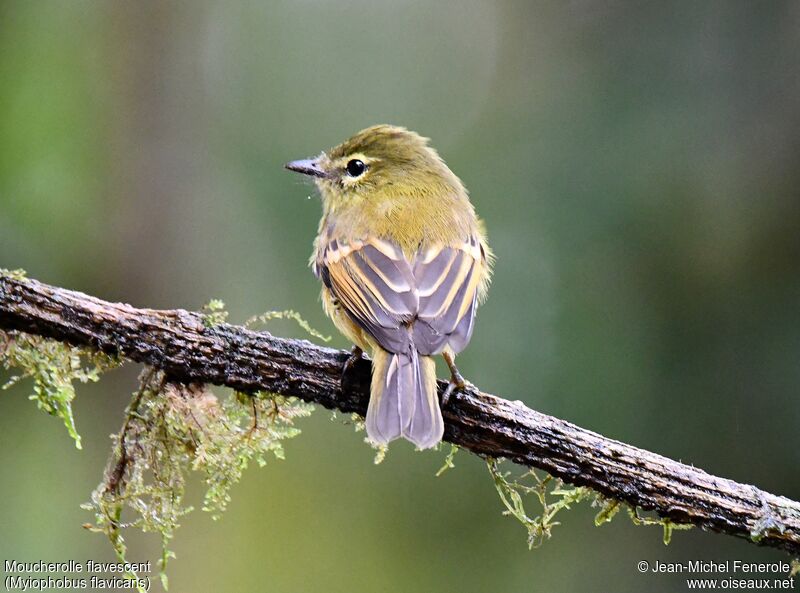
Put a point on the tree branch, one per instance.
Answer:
(179, 342)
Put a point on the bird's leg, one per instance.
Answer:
(456, 379)
(355, 356)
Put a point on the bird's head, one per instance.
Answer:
(380, 162)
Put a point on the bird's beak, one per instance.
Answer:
(307, 167)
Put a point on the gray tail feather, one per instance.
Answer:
(404, 402)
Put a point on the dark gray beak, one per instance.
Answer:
(306, 167)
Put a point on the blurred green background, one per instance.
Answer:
(637, 164)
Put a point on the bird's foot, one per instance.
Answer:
(457, 381)
(355, 355)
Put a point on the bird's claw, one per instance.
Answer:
(456, 383)
(355, 356)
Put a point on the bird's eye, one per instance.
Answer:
(356, 168)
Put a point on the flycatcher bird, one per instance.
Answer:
(404, 264)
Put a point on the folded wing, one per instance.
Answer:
(448, 279)
(429, 301)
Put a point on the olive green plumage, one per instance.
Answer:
(404, 263)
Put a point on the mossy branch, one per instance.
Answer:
(187, 349)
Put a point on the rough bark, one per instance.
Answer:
(179, 342)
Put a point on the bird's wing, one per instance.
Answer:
(431, 300)
(375, 284)
(448, 280)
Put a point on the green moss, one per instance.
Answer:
(553, 496)
(214, 313)
(667, 525)
(287, 314)
(448, 460)
(17, 274)
(54, 368)
(609, 507)
(550, 493)
(171, 429)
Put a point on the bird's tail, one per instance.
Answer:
(403, 400)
